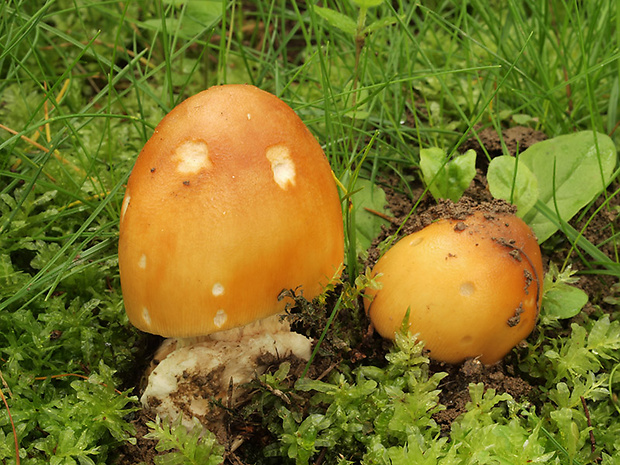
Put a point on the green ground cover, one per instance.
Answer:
(392, 91)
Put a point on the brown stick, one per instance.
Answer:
(8, 411)
(592, 440)
(382, 215)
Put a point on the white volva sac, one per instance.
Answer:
(191, 377)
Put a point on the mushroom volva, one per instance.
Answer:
(230, 202)
(471, 286)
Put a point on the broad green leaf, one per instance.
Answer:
(447, 179)
(522, 119)
(563, 301)
(520, 189)
(199, 16)
(337, 19)
(367, 197)
(382, 23)
(578, 165)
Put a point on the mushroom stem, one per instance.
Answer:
(193, 375)
(273, 324)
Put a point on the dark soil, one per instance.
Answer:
(455, 387)
(143, 450)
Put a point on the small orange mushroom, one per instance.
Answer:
(472, 286)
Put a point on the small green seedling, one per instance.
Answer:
(447, 178)
(561, 299)
(355, 27)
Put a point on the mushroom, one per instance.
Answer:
(471, 287)
(230, 202)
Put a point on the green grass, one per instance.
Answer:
(83, 84)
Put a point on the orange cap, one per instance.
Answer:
(231, 201)
(472, 286)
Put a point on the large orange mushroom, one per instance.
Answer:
(471, 286)
(230, 202)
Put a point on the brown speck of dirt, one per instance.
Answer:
(154, 402)
(516, 319)
(186, 183)
(516, 254)
(460, 226)
(528, 278)
(208, 386)
(454, 394)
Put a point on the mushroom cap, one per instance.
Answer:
(472, 286)
(231, 201)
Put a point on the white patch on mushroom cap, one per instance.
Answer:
(220, 318)
(126, 201)
(467, 288)
(217, 289)
(282, 165)
(146, 316)
(192, 156)
(142, 262)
